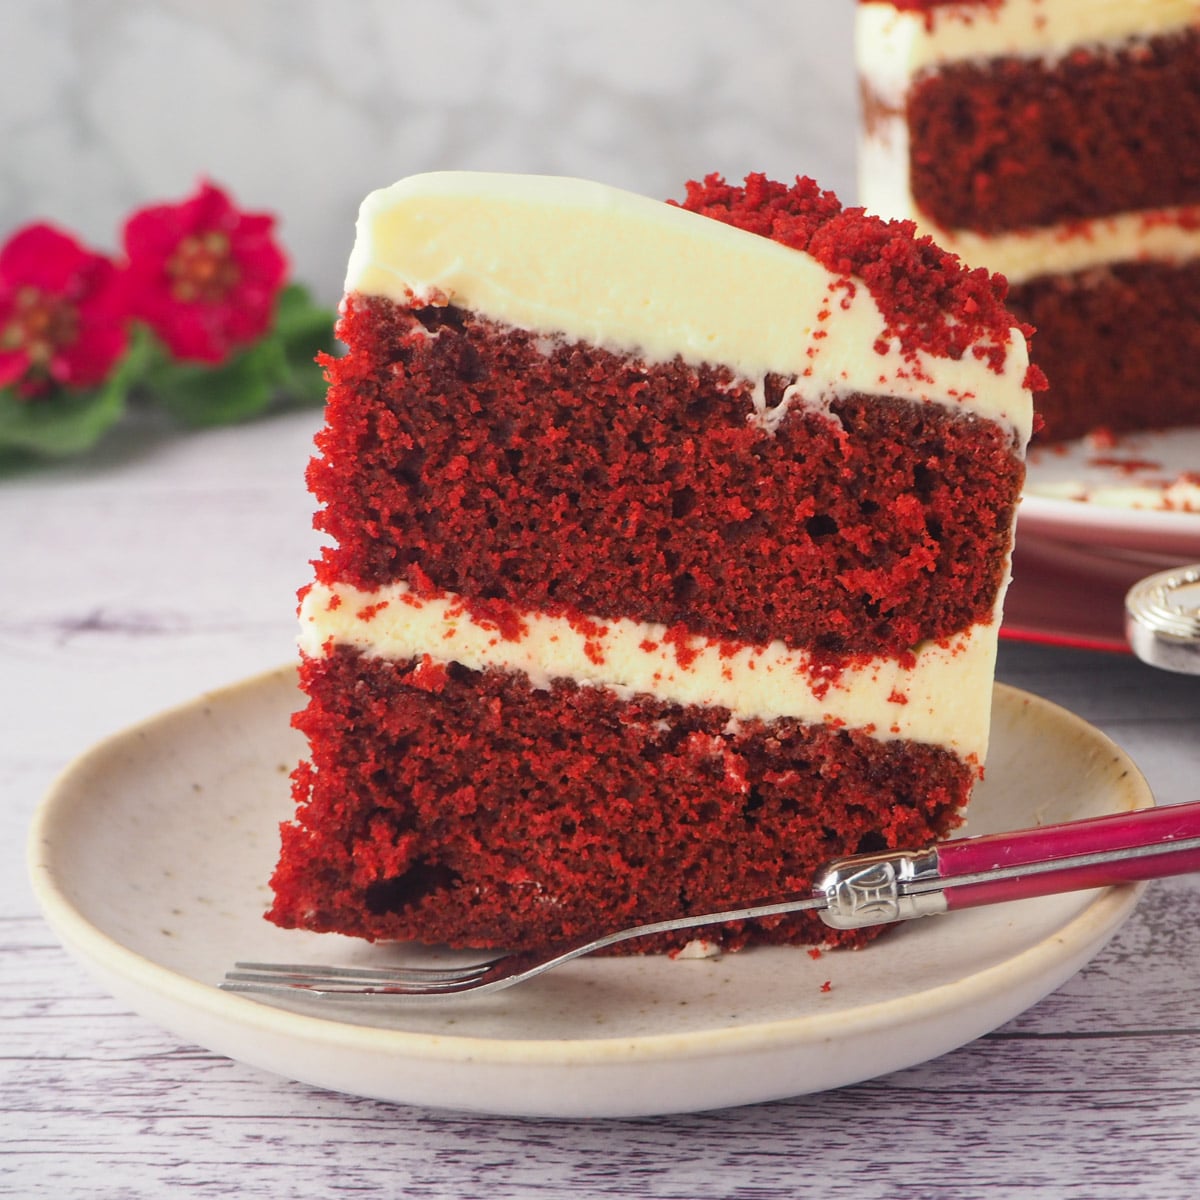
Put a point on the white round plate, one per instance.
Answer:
(150, 858)
(1076, 558)
(1111, 474)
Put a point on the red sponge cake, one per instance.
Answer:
(1057, 142)
(667, 550)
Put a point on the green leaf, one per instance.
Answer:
(297, 318)
(304, 329)
(200, 395)
(58, 425)
(68, 422)
(277, 369)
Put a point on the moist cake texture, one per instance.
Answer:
(1058, 143)
(667, 545)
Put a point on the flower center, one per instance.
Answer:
(202, 269)
(39, 325)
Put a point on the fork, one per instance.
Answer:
(848, 893)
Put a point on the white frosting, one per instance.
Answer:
(699, 948)
(1182, 495)
(1179, 495)
(893, 47)
(943, 699)
(1164, 235)
(565, 257)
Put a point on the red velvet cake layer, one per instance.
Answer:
(1010, 143)
(1120, 346)
(444, 805)
(646, 492)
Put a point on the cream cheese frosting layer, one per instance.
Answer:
(1159, 235)
(569, 258)
(943, 698)
(893, 46)
(1181, 495)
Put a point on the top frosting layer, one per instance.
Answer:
(895, 43)
(569, 258)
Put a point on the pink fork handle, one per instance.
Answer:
(1106, 835)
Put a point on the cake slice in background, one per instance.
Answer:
(668, 547)
(1058, 143)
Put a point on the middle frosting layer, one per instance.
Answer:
(939, 695)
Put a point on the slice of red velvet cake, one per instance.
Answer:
(668, 549)
(1057, 142)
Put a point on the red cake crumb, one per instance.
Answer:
(965, 10)
(929, 5)
(930, 301)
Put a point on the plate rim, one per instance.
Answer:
(111, 958)
(1040, 510)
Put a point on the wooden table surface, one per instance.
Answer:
(166, 565)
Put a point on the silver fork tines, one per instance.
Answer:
(400, 983)
(849, 893)
(283, 978)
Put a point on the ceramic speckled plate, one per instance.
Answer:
(150, 858)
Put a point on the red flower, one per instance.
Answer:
(203, 275)
(62, 318)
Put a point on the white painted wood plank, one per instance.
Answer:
(1099, 1076)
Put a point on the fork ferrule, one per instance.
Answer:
(876, 889)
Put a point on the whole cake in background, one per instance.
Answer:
(1058, 143)
(668, 548)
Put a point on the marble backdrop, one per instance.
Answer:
(302, 106)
